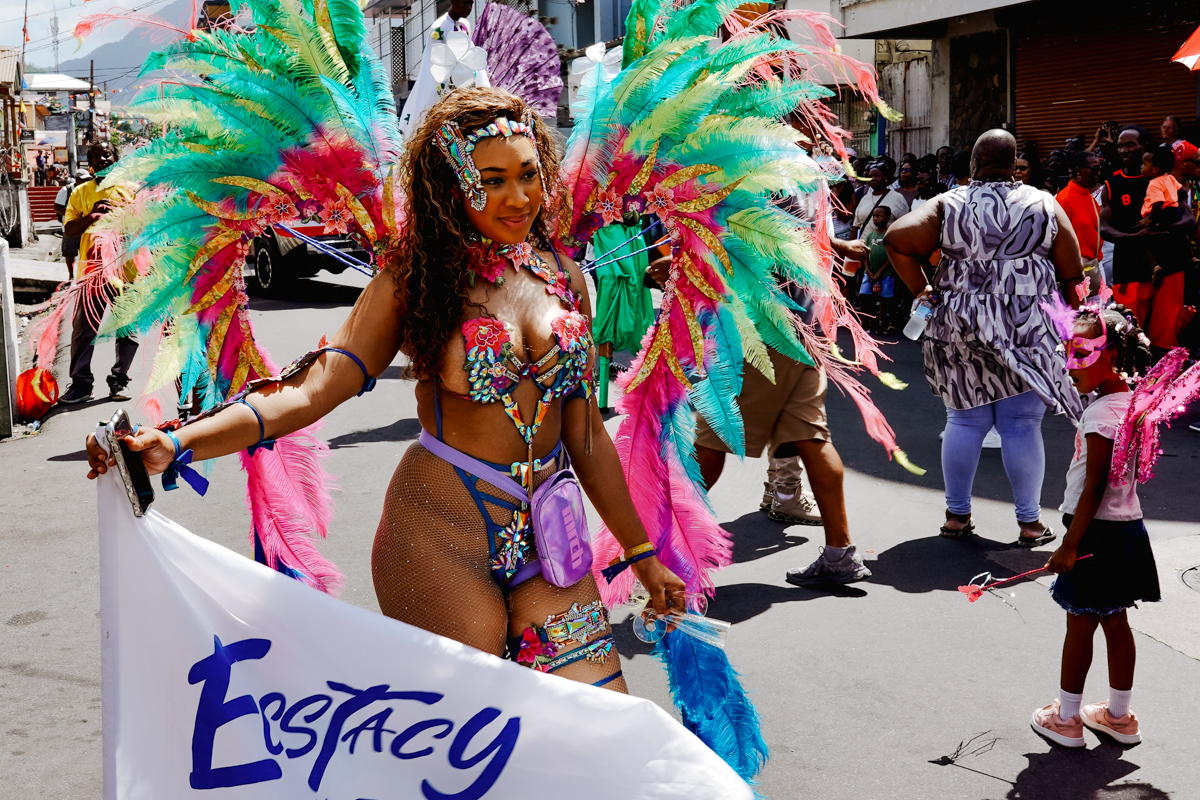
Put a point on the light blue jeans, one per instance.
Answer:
(1019, 421)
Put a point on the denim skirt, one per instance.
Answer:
(1120, 572)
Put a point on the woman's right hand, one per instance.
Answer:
(668, 594)
(156, 448)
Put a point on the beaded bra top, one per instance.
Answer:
(494, 371)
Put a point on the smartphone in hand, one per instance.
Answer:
(129, 464)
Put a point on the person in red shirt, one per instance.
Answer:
(1120, 223)
(1082, 209)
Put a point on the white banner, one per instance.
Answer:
(225, 679)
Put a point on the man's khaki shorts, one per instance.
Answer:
(790, 410)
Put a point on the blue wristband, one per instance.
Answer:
(175, 441)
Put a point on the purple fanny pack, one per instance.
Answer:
(555, 509)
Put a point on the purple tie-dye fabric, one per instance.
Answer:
(522, 57)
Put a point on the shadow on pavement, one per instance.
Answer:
(742, 601)
(627, 644)
(936, 563)
(393, 373)
(756, 536)
(78, 455)
(403, 430)
(1081, 775)
(918, 416)
(308, 294)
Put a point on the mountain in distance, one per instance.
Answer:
(119, 62)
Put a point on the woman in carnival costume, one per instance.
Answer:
(496, 324)
(470, 223)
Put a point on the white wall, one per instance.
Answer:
(870, 17)
(860, 49)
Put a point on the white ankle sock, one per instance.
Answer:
(835, 553)
(1068, 704)
(785, 497)
(1118, 701)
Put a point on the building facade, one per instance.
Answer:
(1045, 70)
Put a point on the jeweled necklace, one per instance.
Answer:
(488, 259)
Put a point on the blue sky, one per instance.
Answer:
(39, 50)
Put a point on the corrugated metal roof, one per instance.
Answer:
(8, 64)
(54, 82)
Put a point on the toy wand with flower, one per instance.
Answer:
(974, 591)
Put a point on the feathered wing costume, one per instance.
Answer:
(292, 120)
(689, 131)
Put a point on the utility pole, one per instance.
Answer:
(54, 33)
(91, 130)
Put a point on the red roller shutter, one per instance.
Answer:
(1070, 81)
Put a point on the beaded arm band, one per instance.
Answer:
(180, 467)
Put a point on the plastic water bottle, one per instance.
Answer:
(922, 311)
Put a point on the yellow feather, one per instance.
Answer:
(168, 363)
(891, 381)
(643, 174)
(253, 184)
(216, 339)
(686, 174)
(710, 239)
(219, 290)
(360, 213)
(216, 211)
(837, 354)
(707, 201)
(903, 461)
(210, 249)
(697, 280)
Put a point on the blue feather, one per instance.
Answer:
(712, 703)
(715, 397)
(679, 442)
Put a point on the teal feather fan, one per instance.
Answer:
(287, 120)
(690, 131)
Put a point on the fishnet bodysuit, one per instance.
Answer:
(431, 567)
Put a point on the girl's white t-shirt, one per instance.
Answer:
(1103, 416)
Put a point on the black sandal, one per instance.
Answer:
(1046, 536)
(958, 533)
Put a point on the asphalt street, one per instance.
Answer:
(892, 688)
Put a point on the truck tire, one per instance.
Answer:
(270, 278)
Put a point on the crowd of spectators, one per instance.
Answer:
(1131, 200)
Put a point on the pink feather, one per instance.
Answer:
(1162, 395)
(289, 502)
(45, 332)
(676, 517)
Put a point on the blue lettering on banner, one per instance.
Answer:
(213, 711)
(284, 736)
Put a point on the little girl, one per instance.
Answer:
(1104, 521)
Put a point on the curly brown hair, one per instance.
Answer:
(430, 261)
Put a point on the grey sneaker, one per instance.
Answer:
(848, 570)
(799, 509)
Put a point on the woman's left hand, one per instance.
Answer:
(668, 594)
(1062, 560)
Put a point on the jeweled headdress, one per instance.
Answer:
(458, 148)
